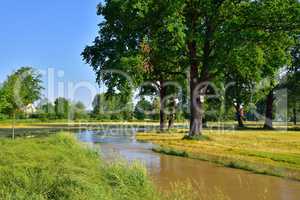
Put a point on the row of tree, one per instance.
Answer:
(104, 107)
(62, 108)
(22, 89)
(204, 44)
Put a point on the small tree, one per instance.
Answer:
(21, 88)
(62, 108)
(79, 110)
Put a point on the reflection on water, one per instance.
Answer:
(236, 184)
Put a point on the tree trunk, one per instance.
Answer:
(172, 114)
(171, 122)
(294, 116)
(239, 116)
(204, 122)
(195, 103)
(13, 125)
(269, 110)
(196, 125)
(162, 95)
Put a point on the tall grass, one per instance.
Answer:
(58, 167)
(194, 191)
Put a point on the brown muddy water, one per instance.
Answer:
(233, 183)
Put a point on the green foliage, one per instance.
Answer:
(142, 39)
(45, 110)
(112, 107)
(130, 182)
(292, 82)
(62, 108)
(21, 88)
(142, 109)
(115, 49)
(79, 110)
(3, 100)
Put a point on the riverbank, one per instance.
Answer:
(263, 152)
(77, 124)
(58, 167)
(92, 124)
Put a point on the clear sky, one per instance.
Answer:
(49, 34)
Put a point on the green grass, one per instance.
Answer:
(264, 152)
(58, 167)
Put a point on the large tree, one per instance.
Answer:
(277, 57)
(140, 39)
(252, 65)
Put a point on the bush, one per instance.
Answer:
(3, 116)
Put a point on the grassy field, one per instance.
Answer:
(265, 152)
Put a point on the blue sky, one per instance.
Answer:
(49, 34)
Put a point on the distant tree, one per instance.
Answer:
(62, 108)
(142, 109)
(79, 110)
(21, 88)
(46, 110)
(112, 107)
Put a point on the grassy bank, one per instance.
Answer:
(57, 167)
(264, 152)
(27, 128)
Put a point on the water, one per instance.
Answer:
(164, 169)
